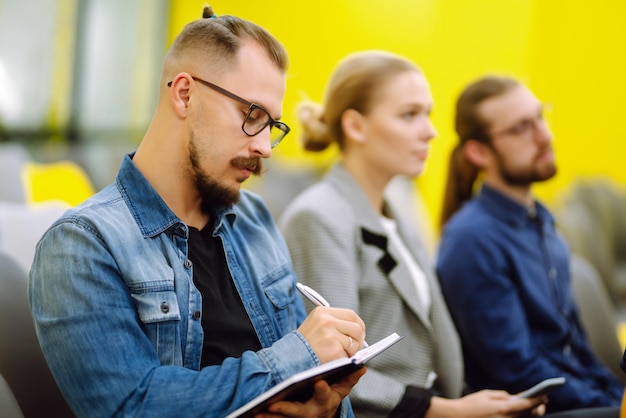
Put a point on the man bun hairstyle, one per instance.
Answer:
(354, 85)
(217, 39)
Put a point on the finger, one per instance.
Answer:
(345, 314)
(538, 400)
(497, 394)
(323, 392)
(539, 410)
(526, 404)
(348, 317)
(283, 409)
(350, 344)
(355, 334)
(320, 404)
(329, 335)
(345, 385)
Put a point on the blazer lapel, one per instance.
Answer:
(374, 235)
(386, 263)
(397, 274)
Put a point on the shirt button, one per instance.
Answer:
(552, 273)
(188, 264)
(567, 349)
(165, 307)
(197, 315)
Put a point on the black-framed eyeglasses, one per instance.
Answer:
(257, 117)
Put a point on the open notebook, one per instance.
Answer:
(299, 387)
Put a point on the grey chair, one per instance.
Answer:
(597, 314)
(22, 363)
(590, 215)
(22, 225)
(12, 160)
(8, 405)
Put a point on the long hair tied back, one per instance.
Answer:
(470, 125)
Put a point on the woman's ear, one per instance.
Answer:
(476, 152)
(352, 125)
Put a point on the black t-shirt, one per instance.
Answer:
(228, 331)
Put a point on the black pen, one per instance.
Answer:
(315, 298)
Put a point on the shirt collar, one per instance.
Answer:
(340, 178)
(510, 211)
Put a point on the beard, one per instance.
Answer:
(524, 176)
(213, 193)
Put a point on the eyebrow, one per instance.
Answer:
(428, 108)
(258, 103)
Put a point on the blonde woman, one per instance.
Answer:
(350, 244)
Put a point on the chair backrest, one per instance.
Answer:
(8, 405)
(21, 227)
(13, 158)
(590, 215)
(63, 180)
(597, 314)
(22, 363)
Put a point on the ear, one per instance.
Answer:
(352, 125)
(179, 94)
(477, 152)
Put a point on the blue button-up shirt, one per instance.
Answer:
(504, 272)
(118, 316)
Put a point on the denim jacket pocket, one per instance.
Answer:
(159, 312)
(279, 287)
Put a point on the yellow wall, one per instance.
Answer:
(569, 52)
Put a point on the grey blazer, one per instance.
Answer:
(339, 247)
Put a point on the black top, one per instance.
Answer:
(228, 331)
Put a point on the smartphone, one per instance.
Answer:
(543, 387)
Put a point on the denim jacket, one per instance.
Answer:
(119, 318)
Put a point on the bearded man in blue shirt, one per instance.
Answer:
(503, 268)
(171, 292)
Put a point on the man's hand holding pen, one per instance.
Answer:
(332, 332)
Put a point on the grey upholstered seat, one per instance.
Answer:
(12, 160)
(597, 314)
(8, 405)
(21, 361)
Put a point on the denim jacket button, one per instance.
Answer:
(188, 264)
(196, 315)
(165, 307)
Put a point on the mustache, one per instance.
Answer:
(545, 149)
(252, 164)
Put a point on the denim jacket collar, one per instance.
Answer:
(149, 210)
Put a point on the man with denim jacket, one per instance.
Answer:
(171, 291)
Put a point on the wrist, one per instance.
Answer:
(442, 407)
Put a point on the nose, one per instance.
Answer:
(431, 131)
(260, 144)
(542, 131)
